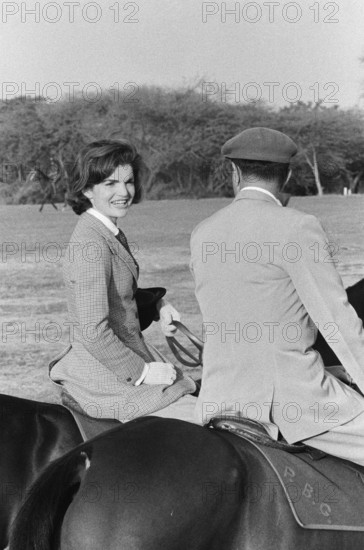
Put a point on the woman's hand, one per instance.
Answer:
(167, 314)
(160, 373)
(339, 372)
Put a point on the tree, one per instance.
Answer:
(330, 143)
(179, 135)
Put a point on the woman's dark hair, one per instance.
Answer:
(95, 163)
(253, 170)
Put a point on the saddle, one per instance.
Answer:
(89, 427)
(254, 431)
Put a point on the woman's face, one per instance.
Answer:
(113, 196)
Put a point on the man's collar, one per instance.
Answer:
(261, 190)
(104, 219)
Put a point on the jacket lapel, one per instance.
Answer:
(115, 246)
(118, 249)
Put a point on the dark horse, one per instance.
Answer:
(33, 434)
(355, 295)
(159, 483)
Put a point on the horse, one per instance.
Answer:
(32, 436)
(47, 186)
(355, 295)
(163, 483)
(52, 180)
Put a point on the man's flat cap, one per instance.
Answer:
(260, 144)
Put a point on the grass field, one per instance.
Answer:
(33, 296)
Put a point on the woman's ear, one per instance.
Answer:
(88, 193)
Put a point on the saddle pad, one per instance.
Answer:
(323, 494)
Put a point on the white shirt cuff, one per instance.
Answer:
(143, 375)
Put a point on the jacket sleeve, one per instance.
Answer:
(91, 274)
(320, 288)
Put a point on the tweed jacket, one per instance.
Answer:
(107, 351)
(265, 282)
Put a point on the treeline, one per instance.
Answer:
(179, 134)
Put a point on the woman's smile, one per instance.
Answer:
(121, 203)
(114, 196)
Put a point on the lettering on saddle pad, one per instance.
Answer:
(323, 494)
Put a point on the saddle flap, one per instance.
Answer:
(89, 427)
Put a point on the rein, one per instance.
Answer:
(174, 346)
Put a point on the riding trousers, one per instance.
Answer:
(345, 441)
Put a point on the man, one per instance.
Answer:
(265, 281)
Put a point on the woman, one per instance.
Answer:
(109, 369)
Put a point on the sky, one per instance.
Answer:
(273, 51)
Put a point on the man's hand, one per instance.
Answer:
(160, 373)
(167, 314)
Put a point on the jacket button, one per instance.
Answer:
(128, 379)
